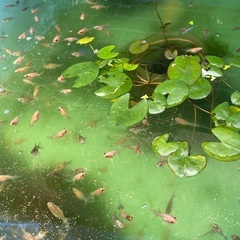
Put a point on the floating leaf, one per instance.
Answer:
(118, 84)
(235, 62)
(228, 149)
(129, 66)
(106, 52)
(200, 89)
(235, 98)
(187, 69)
(138, 47)
(215, 61)
(162, 148)
(213, 71)
(121, 114)
(85, 40)
(85, 72)
(184, 165)
(176, 91)
(158, 104)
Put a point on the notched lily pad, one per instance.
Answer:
(138, 47)
(215, 61)
(200, 89)
(106, 52)
(84, 73)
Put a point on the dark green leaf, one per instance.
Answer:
(138, 47)
(85, 72)
(121, 114)
(215, 61)
(200, 89)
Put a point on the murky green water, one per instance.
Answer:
(130, 179)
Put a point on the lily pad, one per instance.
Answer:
(215, 61)
(85, 73)
(200, 89)
(187, 69)
(176, 91)
(228, 149)
(184, 165)
(138, 47)
(129, 66)
(106, 52)
(213, 71)
(85, 40)
(121, 114)
(162, 148)
(235, 98)
(158, 104)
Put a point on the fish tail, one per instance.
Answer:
(14, 178)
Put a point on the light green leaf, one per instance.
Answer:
(85, 40)
(84, 73)
(235, 98)
(121, 114)
(199, 89)
(215, 61)
(106, 52)
(138, 47)
(129, 67)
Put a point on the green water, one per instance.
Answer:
(130, 179)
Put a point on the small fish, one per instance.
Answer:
(14, 121)
(63, 112)
(124, 214)
(83, 16)
(17, 53)
(218, 230)
(22, 36)
(58, 28)
(56, 39)
(36, 19)
(166, 217)
(61, 166)
(66, 91)
(71, 39)
(61, 78)
(32, 75)
(40, 235)
(36, 91)
(99, 27)
(79, 176)
(34, 11)
(31, 30)
(57, 212)
(109, 154)
(7, 19)
(28, 81)
(81, 139)
(60, 134)
(136, 148)
(235, 237)
(35, 150)
(97, 192)
(26, 235)
(39, 37)
(79, 194)
(4, 178)
(25, 100)
(170, 204)
(162, 163)
(8, 51)
(18, 60)
(82, 31)
(98, 7)
(35, 117)
(77, 54)
(25, 9)
(186, 30)
(22, 69)
(52, 66)
(117, 223)
(10, 6)
(194, 50)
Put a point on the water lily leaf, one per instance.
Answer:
(85, 73)
(213, 71)
(215, 61)
(106, 52)
(235, 98)
(228, 149)
(85, 40)
(176, 91)
(158, 104)
(187, 69)
(183, 165)
(129, 66)
(200, 89)
(121, 114)
(235, 62)
(162, 148)
(138, 47)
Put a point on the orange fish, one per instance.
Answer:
(63, 112)
(194, 50)
(22, 69)
(32, 75)
(22, 36)
(18, 60)
(97, 192)
(56, 39)
(82, 31)
(79, 176)
(60, 134)
(14, 121)
(71, 39)
(35, 117)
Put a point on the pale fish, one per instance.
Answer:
(66, 91)
(63, 112)
(77, 54)
(83, 16)
(124, 214)
(36, 91)
(60, 134)
(36, 19)
(22, 69)
(24, 100)
(79, 194)
(4, 178)
(61, 166)
(14, 121)
(35, 117)
(22, 36)
(32, 75)
(71, 39)
(109, 154)
(98, 7)
(97, 192)
(51, 66)
(79, 176)
(117, 223)
(56, 39)
(57, 212)
(18, 60)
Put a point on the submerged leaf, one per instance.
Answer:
(106, 52)
(85, 72)
(121, 114)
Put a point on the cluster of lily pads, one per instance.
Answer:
(189, 76)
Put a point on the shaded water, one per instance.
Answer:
(130, 179)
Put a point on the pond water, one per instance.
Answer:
(131, 177)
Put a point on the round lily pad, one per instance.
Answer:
(138, 47)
